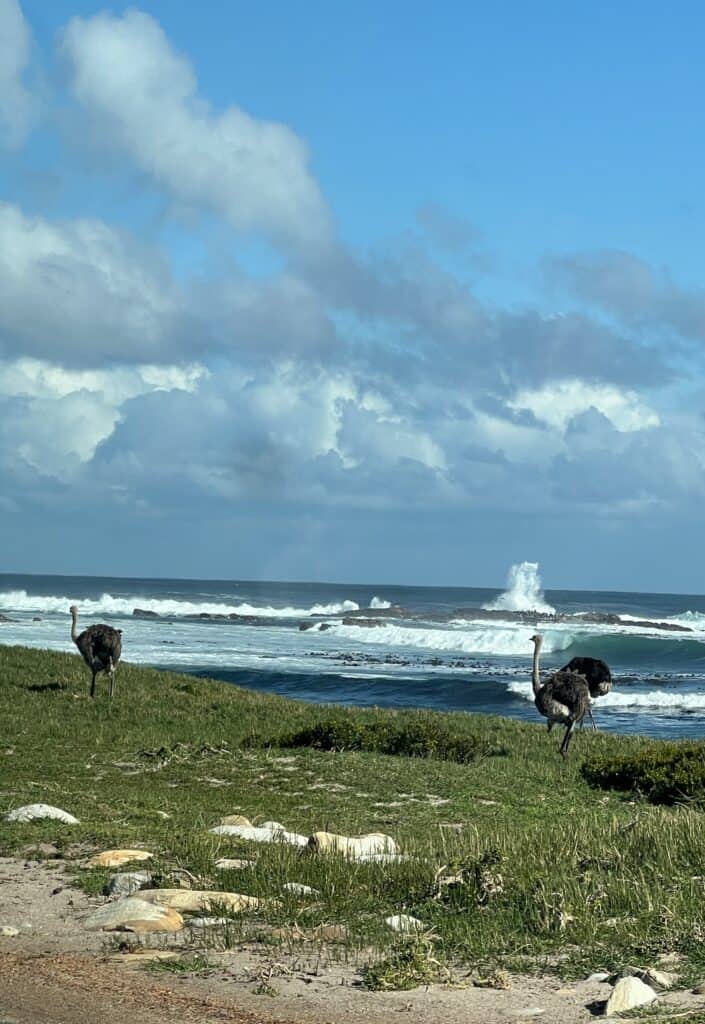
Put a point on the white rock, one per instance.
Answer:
(133, 910)
(627, 994)
(8, 931)
(233, 864)
(128, 882)
(260, 834)
(300, 890)
(404, 923)
(275, 826)
(32, 811)
(662, 979)
(116, 858)
(354, 847)
(195, 901)
(599, 976)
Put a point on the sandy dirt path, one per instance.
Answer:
(56, 972)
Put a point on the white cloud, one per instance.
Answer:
(81, 292)
(143, 97)
(18, 107)
(54, 419)
(557, 403)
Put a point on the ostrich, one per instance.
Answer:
(563, 698)
(100, 648)
(597, 674)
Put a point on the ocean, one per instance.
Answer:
(459, 649)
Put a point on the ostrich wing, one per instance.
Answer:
(571, 690)
(596, 672)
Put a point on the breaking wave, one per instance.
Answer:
(107, 604)
(523, 593)
(671, 700)
(498, 641)
(379, 602)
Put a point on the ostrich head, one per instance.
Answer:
(536, 639)
(74, 610)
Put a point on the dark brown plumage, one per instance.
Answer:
(100, 647)
(563, 698)
(597, 674)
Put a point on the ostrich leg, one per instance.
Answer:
(111, 672)
(93, 683)
(566, 740)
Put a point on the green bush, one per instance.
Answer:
(418, 736)
(665, 773)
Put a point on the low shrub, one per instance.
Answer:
(417, 736)
(665, 773)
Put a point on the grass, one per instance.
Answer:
(517, 862)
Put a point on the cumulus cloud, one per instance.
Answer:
(633, 291)
(143, 98)
(54, 419)
(81, 292)
(18, 107)
(558, 403)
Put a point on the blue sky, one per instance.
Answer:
(353, 292)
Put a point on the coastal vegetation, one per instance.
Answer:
(513, 859)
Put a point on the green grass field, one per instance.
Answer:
(551, 872)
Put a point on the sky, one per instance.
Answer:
(363, 292)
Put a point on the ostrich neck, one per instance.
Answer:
(535, 678)
(74, 634)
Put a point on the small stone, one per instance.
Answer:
(41, 851)
(260, 834)
(163, 815)
(143, 956)
(233, 864)
(661, 979)
(300, 890)
(127, 882)
(236, 819)
(699, 990)
(354, 847)
(31, 812)
(627, 994)
(197, 900)
(8, 931)
(134, 914)
(116, 858)
(599, 976)
(275, 826)
(404, 923)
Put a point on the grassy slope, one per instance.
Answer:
(566, 868)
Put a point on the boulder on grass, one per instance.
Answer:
(31, 812)
(135, 915)
(355, 847)
(627, 994)
(116, 858)
(197, 900)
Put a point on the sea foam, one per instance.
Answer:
(523, 593)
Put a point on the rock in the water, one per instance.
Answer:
(233, 864)
(260, 835)
(116, 858)
(627, 994)
(136, 915)
(355, 847)
(197, 900)
(30, 812)
(144, 613)
(127, 883)
(8, 931)
(300, 890)
(236, 819)
(404, 923)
